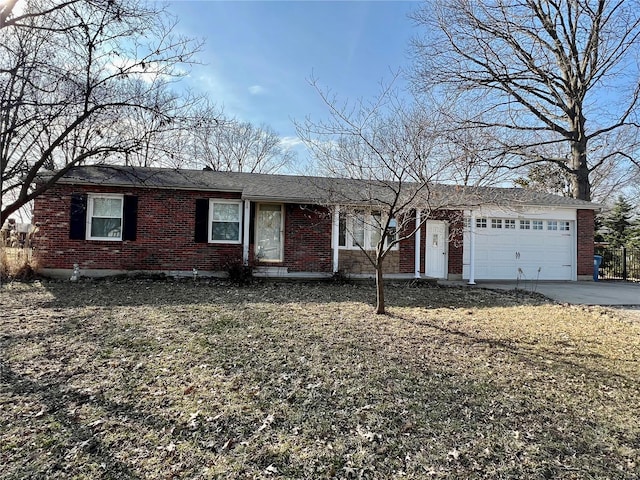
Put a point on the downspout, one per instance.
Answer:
(245, 232)
(418, 237)
(472, 249)
(335, 234)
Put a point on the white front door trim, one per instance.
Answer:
(245, 232)
(335, 233)
(417, 246)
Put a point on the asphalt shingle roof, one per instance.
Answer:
(306, 189)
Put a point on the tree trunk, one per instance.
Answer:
(580, 185)
(380, 310)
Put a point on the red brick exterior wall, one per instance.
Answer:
(164, 241)
(165, 235)
(585, 230)
(408, 249)
(307, 239)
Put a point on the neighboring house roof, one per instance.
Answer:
(307, 189)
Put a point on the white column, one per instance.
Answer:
(472, 249)
(418, 237)
(335, 236)
(245, 232)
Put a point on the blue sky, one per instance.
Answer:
(259, 55)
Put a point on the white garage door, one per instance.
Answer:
(527, 249)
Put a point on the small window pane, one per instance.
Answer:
(496, 223)
(391, 235)
(107, 207)
(342, 231)
(565, 226)
(481, 222)
(525, 225)
(225, 231)
(510, 224)
(538, 225)
(226, 212)
(106, 227)
(552, 225)
(358, 230)
(375, 230)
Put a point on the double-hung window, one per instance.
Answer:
(225, 218)
(104, 217)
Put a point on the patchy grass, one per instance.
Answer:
(154, 379)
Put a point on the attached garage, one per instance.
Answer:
(537, 244)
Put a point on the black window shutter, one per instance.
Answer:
(78, 216)
(202, 219)
(130, 220)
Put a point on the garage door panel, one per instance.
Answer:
(502, 254)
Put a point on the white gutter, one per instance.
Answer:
(335, 234)
(417, 245)
(245, 232)
(472, 249)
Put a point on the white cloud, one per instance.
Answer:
(291, 142)
(147, 72)
(256, 90)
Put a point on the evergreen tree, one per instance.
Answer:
(619, 227)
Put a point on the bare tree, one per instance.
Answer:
(73, 79)
(552, 75)
(205, 137)
(235, 146)
(171, 142)
(385, 150)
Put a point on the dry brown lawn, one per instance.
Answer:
(161, 379)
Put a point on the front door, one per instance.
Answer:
(436, 249)
(269, 232)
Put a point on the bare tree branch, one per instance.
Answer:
(80, 82)
(546, 71)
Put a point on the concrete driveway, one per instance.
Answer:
(579, 293)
